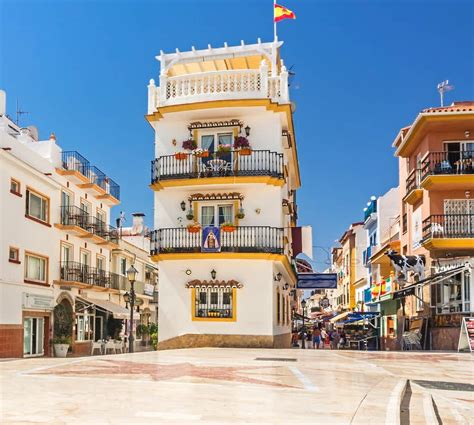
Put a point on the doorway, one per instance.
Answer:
(33, 336)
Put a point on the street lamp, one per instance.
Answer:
(131, 276)
(303, 342)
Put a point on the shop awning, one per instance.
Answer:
(118, 312)
(357, 316)
(339, 317)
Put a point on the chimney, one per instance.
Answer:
(138, 226)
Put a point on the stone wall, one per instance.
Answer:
(445, 338)
(11, 341)
(219, 340)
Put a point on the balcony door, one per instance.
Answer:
(216, 215)
(456, 150)
(459, 220)
(211, 142)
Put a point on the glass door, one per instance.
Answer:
(216, 215)
(66, 256)
(33, 336)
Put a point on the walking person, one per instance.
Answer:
(324, 335)
(316, 337)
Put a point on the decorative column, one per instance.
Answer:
(163, 89)
(264, 78)
(151, 96)
(284, 94)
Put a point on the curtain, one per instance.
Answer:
(207, 142)
(35, 268)
(207, 216)
(225, 214)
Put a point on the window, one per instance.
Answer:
(66, 253)
(85, 319)
(14, 255)
(37, 206)
(452, 295)
(36, 268)
(419, 297)
(215, 215)
(85, 258)
(100, 263)
(214, 302)
(15, 187)
(123, 266)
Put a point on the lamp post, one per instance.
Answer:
(303, 341)
(131, 276)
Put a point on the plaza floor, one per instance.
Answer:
(224, 386)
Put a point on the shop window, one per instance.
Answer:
(214, 303)
(37, 206)
(36, 268)
(14, 255)
(85, 320)
(391, 326)
(15, 187)
(453, 295)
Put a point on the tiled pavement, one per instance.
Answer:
(240, 386)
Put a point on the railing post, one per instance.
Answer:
(264, 78)
(151, 96)
(284, 94)
(163, 89)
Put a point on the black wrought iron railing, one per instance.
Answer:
(242, 239)
(75, 216)
(72, 160)
(71, 271)
(452, 162)
(413, 180)
(234, 163)
(448, 226)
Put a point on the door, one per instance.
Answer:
(66, 253)
(33, 336)
(65, 207)
(98, 331)
(211, 142)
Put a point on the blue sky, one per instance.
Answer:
(363, 70)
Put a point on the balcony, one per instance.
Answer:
(413, 191)
(89, 177)
(245, 239)
(219, 85)
(260, 166)
(449, 231)
(84, 276)
(451, 170)
(79, 222)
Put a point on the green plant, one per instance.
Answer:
(153, 328)
(62, 340)
(63, 320)
(142, 330)
(154, 340)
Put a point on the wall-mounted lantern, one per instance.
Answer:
(213, 274)
(247, 131)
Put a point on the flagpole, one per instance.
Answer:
(275, 37)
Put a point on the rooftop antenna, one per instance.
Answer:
(443, 87)
(19, 113)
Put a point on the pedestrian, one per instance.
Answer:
(343, 340)
(324, 335)
(294, 338)
(336, 338)
(331, 339)
(316, 337)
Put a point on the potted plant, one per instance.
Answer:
(201, 153)
(180, 156)
(194, 228)
(227, 227)
(190, 145)
(242, 144)
(190, 214)
(61, 345)
(143, 333)
(223, 150)
(240, 214)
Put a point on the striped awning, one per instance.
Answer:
(196, 283)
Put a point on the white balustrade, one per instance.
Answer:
(217, 85)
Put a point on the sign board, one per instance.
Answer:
(211, 239)
(466, 337)
(317, 281)
(148, 289)
(40, 302)
(402, 293)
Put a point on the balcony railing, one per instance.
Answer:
(242, 239)
(72, 271)
(75, 216)
(413, 180)
(452, 162)
(372, 208)
(217, 85)
(258, 163)
(72, 160)
(448, 226)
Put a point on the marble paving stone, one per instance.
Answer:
(225, 386)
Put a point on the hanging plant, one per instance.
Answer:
(190, 214)
(190, 145)
(223, 150)
(241, 143)
(194, 228)
(240, 214)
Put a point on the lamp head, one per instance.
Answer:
(247, 130)
(132, 273)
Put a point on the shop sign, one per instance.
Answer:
(43, 302)
(149, 289)
(404, 292)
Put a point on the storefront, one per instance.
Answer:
(36, 313)
(361, 329)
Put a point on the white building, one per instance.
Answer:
(56, 244)
(218, 284)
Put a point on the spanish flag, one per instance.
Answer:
(281, 13)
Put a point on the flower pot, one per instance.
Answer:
(204, 154)
(194, 229)
(228, 228)
(180, 156)
(245, 151)
(60, 350)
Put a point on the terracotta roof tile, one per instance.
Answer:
(465, 106)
